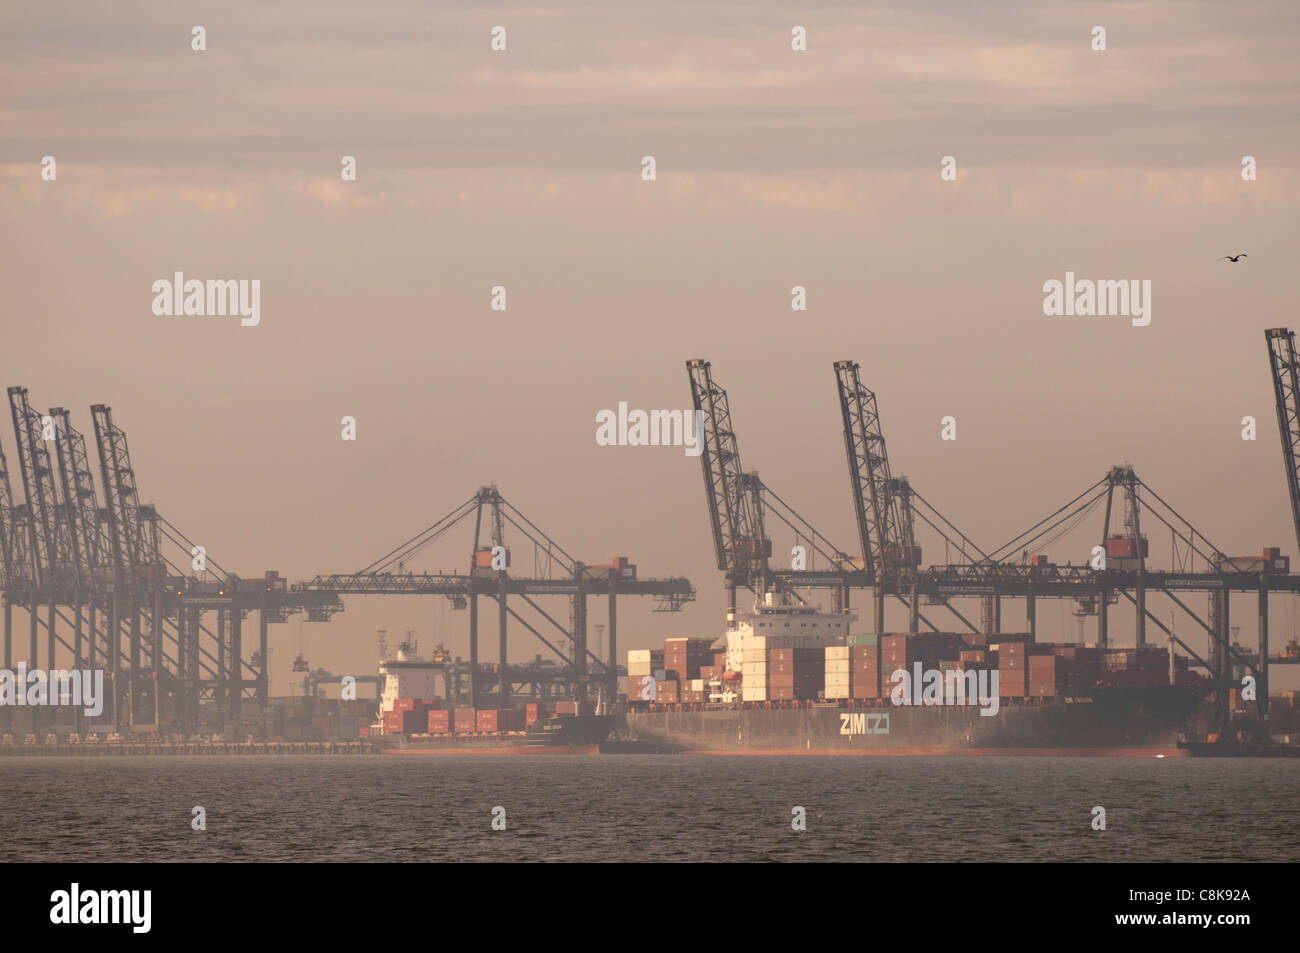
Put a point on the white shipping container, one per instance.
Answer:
(637, 656)
(638, 669)
(837, 665)
(697, 684)
(837, 652)
(834, 692)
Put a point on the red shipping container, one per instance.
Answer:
(392, 722)
(1013, 682)
(464, 720)
(439, 722)
(894, 644)
(486, 720)
(1120, 548)
(404, 704)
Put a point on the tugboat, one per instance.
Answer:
(564, 730)
(1246, 740)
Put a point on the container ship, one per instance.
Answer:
(413, 720)
(788, 678)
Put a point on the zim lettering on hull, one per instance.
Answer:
(864, 723)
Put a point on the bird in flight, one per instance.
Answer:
(1233, 257)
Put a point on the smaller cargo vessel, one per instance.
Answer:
(413, 718)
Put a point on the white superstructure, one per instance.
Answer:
(407, 676)
(778, 622)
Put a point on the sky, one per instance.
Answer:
(775, 168)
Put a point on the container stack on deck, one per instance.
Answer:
(773, 669)
(795, 674)
(839, 672)
(753, 673)
(427, 716)
(686, 657)
(313, 719)
(864, 654)
(1013, 667)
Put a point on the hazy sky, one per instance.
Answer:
(775, 168)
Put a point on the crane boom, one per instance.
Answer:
(884, 531)
(80, 498)
(132, 528)
(1286, 392)
(48, 540)
(742, 550)
(13, 532)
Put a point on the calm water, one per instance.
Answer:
(634, 808)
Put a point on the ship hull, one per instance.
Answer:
(1113, 722)
(471, 747)
(557, 735)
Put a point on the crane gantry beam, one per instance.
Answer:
(491, 575)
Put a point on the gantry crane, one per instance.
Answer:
(885, 530)
(85, 521)
(734, 497)
(14, 561)
(555, 573)
(49, 548)
(1285, 371)
(134, 547)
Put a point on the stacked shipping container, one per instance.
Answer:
(864, 655)
(839, 672)
(1013, 668)
(773, 669)
(687, 656)
(794, 674)
(753, 673)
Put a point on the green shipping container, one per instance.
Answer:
(867, 638)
